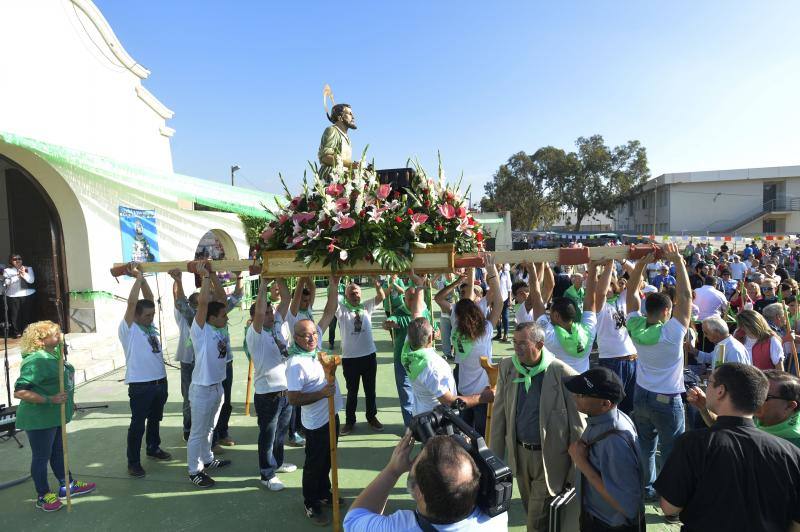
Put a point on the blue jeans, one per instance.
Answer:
(445, 327)
(404, 393)
(147, 406)
(274, 412)
(502, 323)
(46, 447)
(657, 417)
(626, 371)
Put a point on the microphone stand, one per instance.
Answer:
(12, 431)
(62, 324)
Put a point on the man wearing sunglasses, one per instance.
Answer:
(769, 296)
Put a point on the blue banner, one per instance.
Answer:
(139, 235)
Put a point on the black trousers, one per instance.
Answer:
(364, 370)
(590, 523)
(331, 332)
(147, 407)
(20, 313)
(317, 468)
(221, 430)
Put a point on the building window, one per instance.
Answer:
(769, 226)
(644, 202)
(630, 208)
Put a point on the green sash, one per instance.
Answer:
(643, 333)
(528, 373)
(415, 361)
(294, 349)
(461, 344)
(352, 308)
(575, 342)
(788, 429)
(613, 299)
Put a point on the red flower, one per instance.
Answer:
(479, 237)
(461, 212)
(330, 247)
(427, 203)
(471, 221)
(312, 205)
(449, 196)
(397, 194)
(410, 212)
(398, 219)
(362, 213)
(440, 227)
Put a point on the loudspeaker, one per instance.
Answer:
(398, 178)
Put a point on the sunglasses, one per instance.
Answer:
(777, 397)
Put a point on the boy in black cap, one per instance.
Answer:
(607, 456)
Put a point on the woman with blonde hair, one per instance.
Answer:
(763, 345)
(39, 410)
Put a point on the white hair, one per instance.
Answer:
(716, 325)
(772, 311)
(533, 330)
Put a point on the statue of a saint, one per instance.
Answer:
(336, 142)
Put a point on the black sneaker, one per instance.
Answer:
(216, 464)
(201, 480)
(136, 470)
(186, 436)
(160, 454)
(317, 516)
(672, 519)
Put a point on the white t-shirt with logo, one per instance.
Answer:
(212, 348)
(356, 330)
(269, 365)
(144, 360)
(292, 320)
(363, 520)
(472, 377)
(433, 382)
(306, 375)
(581, 363)
(613, 339)
(659, 368)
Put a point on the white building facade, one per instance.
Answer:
(751, 201)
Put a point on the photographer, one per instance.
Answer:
(19, 281)
(443, 481)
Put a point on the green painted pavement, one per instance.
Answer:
(166, 500)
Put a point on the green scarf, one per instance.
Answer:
(613, 299)
(222, 330)
(461, 344)
(149, 330)
(294, 349)
(788, 429)
(575, 342)
(415, 361)
(643, 333)
(576, 295)
(528, 373)
(352, 308)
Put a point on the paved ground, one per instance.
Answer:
(165, 500)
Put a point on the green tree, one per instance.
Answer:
(596, 179)
(253, 226)
(519, 186)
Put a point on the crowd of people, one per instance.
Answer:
(671, 380)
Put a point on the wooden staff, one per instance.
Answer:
(330, 363)
(791, 339)
(67, 481)
(492, 371)
(249, 384)
(720, 355)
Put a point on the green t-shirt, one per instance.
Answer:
(39, 373)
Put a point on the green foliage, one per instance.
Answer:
(253, 226)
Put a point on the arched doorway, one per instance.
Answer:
(30, 226)
(216, 244)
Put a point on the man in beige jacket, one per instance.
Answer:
(534, 421)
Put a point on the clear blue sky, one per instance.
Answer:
(703, 85)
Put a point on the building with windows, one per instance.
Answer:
(749, 201)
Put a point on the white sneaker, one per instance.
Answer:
(273, 484)
(286, 468)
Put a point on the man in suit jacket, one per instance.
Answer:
(534, 421)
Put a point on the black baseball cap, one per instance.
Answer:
(597, 382)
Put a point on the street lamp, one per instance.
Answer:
(234, 168)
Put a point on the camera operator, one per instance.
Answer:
(19, 281)
(443, 480)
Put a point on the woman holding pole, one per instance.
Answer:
(39, 411)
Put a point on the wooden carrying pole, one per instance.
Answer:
(67, 481)
(720, 355)
(249, 384)
(330, 363)
(791, 340)
(492, 371)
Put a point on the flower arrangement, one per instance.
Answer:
(352, 217)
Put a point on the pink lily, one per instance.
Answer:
(447, 210)
(384, 191)
(343, 222)
(342, 204)
(334, 189)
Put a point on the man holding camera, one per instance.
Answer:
(535, 421)
(443, 481)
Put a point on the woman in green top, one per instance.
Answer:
(39, 410)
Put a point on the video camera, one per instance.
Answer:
(494, 492)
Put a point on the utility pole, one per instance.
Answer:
(234, 168)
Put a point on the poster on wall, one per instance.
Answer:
(139, 235)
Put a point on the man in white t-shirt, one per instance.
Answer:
(658, 411)
(359, 360)
(614, 344)
(145, 374)
(568, 338)
(302, 303)
(308, 387)
(267, 340)
(737, 268)
(504, 276)
(443, 480)
(710, 301)
(212, 350)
